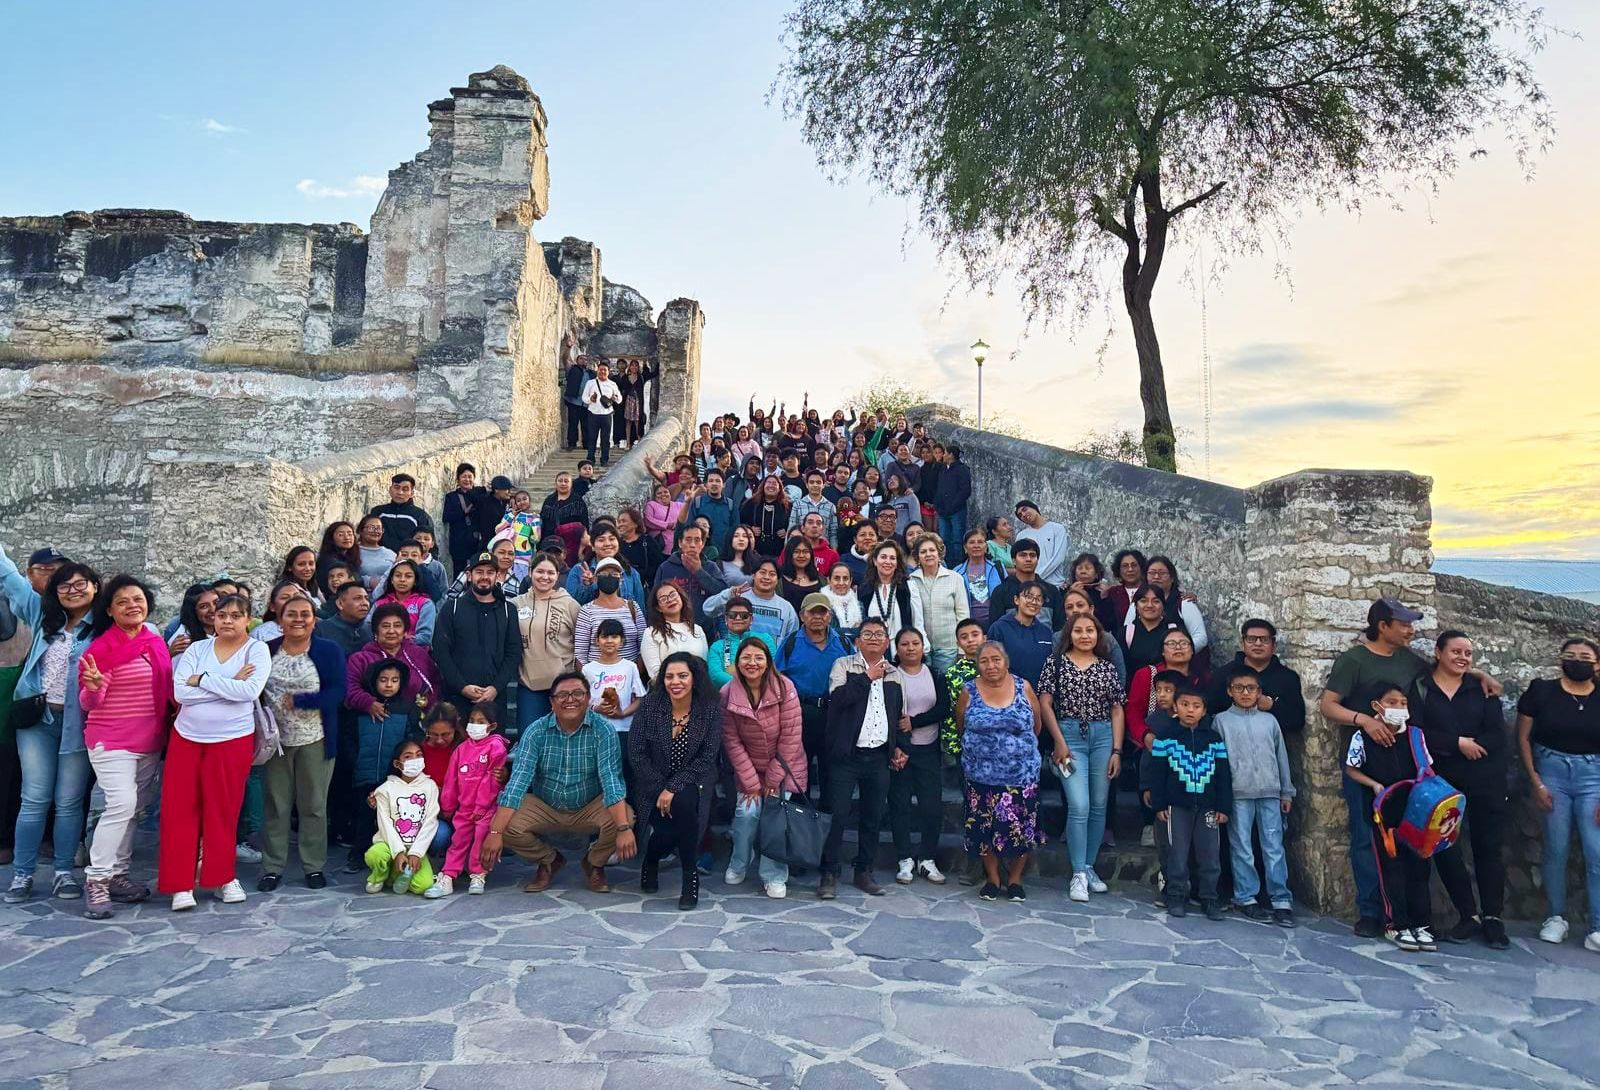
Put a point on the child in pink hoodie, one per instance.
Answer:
(469, 797)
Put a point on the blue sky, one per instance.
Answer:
(1451, 338)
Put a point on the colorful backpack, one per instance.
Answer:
(1432, 818)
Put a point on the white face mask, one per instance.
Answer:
(477, 731)
(411, 768)
(1396, 717)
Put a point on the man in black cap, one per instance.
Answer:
(488, 513)
(476, 645)
(42, 564)
(1382, 653)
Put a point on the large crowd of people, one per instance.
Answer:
(800, 607)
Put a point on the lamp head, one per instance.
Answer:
(980, 352)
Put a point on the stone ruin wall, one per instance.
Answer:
(151, 363)
(1310, 551)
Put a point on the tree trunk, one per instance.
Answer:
(1138, 283)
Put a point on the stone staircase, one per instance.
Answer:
(542, 481)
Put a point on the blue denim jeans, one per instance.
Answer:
(441, 838)
(746, 817)
(532, 704)
(1266, 817)
(1574, 783)
(953, 528)
(49, 777)
(1086, 791)
(1363, 865)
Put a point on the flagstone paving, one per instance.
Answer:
(926, 988)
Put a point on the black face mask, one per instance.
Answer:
(608, 583)
(1578, 670)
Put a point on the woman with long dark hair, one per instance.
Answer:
(670, 628)
(799, 573)
(125, 689)
(196, 618)
(401, 585)
(49, 720)
(1162, 574)
(885, 591)
(300, 568)
(672, 752)
(767, 512)
(338, 544)
(760, 723)
(604, 543)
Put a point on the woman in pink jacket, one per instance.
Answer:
(760, 725)
(125, 687)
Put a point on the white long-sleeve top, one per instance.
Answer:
(1189, 613)
(653, 650)
(219, 709)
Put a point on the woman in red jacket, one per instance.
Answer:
(761, 733)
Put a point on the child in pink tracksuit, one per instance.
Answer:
(469, 796)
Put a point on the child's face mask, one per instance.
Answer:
(411, 767)
(1396, 717)
(477, 731)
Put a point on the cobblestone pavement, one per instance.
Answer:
(924, 988)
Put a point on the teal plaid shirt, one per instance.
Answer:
(566, 770)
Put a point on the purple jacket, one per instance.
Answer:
(424, 678)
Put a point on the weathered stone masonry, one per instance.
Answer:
(155, 369)
(1310, 551)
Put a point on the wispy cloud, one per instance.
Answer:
(1448, 280)
(362, 185)
(212, 127)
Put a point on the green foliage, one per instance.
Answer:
(1044, 139)
(895, 396)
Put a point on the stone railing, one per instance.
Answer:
(247, 515)
(628, 483)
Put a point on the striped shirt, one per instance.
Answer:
(589, 618)
(566, 770)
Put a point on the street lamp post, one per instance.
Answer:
(980, 352)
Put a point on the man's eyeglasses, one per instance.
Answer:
(1258, 639)
(568, 695)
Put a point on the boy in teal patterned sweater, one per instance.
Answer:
(1191, 790)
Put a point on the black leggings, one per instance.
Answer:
(681, 831)
(1403, 882)
(1486, 823)
(920, 777)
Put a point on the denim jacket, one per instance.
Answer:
(28, 606)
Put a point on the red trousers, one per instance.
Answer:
(202, 788)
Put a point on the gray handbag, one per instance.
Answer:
(791, 830)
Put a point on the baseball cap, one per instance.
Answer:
(815, 601)
(608, 563)
(47, 555)
(483, 560)
(1392, 609)
(500, 482)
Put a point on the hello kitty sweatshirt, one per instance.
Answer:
(407, 814)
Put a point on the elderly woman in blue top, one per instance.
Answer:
(48, 721)
(566, 777)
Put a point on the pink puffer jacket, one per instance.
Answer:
(752, 736)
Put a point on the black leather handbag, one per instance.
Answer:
(791, 830)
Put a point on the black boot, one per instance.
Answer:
(690, 898)
(648, 882)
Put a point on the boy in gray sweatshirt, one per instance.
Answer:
(1262, 796)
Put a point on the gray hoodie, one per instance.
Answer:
(1256, 754)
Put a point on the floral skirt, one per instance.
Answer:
(1002, 821)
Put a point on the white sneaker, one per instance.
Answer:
(1553, 930)
(1406, 939)
(374, 887)
(475, 883)
(1079, 889)
(1591, 942)
(244, 853)
(1147, 838)
(1095, 884)
(443, 886)
(904, 875)
(733, 877)
(183, 902)
(929, 870)
(777, 890)
(1424, 938)
(232, 893)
